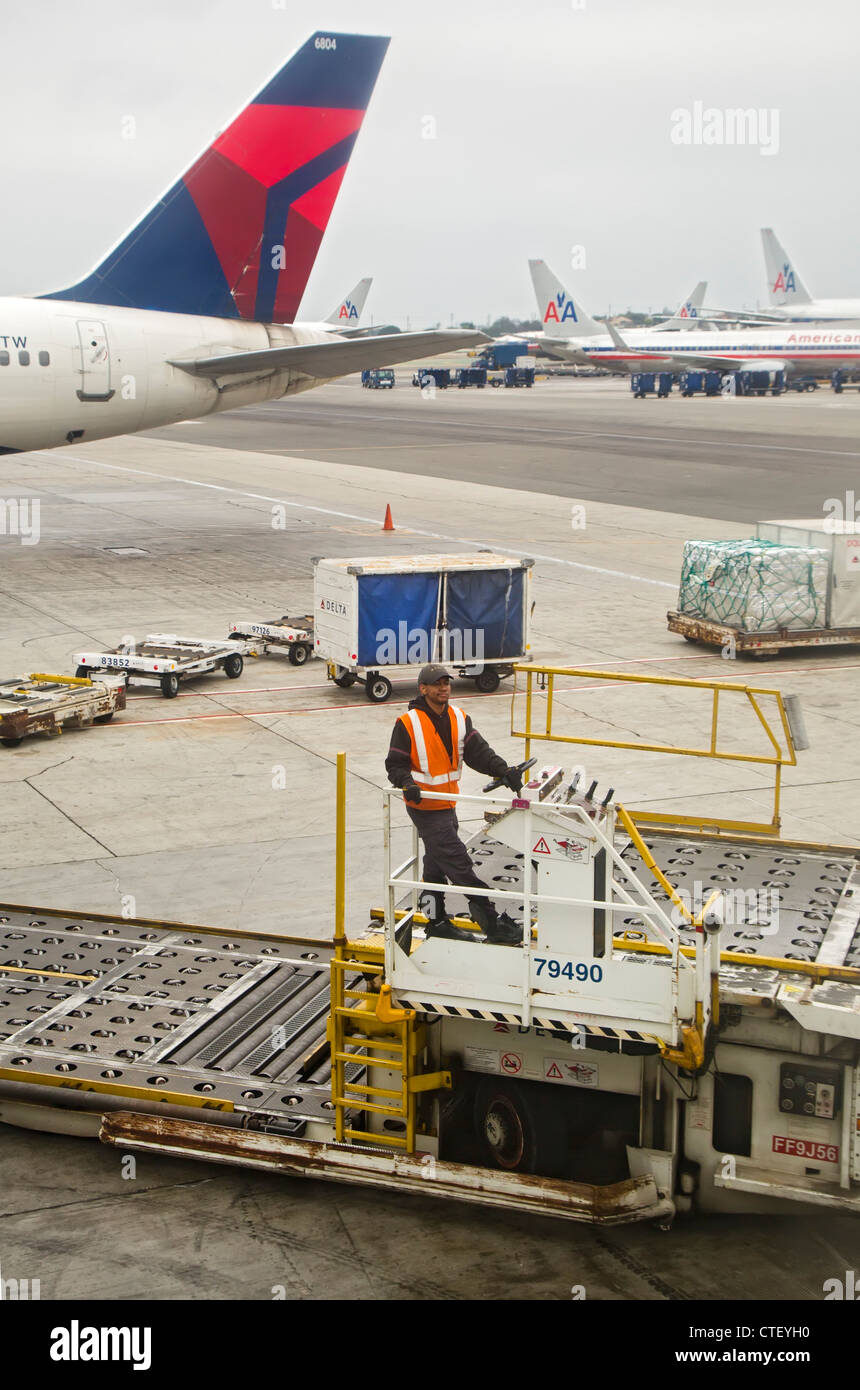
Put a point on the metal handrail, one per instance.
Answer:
(648, 908)
(783, 752)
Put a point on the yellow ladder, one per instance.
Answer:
(366, 1031)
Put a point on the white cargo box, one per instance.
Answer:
(841, 541)
(400, 610)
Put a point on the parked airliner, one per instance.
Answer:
(193, 311)
(807, 350)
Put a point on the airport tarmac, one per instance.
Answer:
(218, 807)
(728, 458)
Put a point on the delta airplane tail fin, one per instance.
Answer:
(238, 234)
(687, 313)
(351, 308)
(561, 316)
(784, 285)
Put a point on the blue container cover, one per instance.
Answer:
(404, 605)
(487, 606)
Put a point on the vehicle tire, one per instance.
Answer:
(520, 1128)
(170, 685)
(377, 688)
(346, 680)
(82, 672)
(104, 718)
(688, 638)
(487, 681)
(299, 653)
(11, 742)
(234, 666)
(495, 382)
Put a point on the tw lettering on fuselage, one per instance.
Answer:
(560, 309)
(12, 340)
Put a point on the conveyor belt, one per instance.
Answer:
(232, 1023)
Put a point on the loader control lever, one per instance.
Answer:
(500, 781)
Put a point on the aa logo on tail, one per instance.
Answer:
(688, 311)
(561, 302)
(785, 280)
(347, 310)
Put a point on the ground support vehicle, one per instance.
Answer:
(432, 376)
(519, 376)
(44, 704)
(642, 384)
(758, 643)
(163, 660)
(293, 635)
(471, 376)
(660, 1040)
(692, 382)
(378, 378)
(372, 615)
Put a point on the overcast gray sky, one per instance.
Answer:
(553, 125)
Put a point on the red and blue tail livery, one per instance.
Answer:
(238, 234)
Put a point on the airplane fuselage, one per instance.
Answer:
(76, 372)
(818, 311)
(807, 349)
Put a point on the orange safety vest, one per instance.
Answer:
(434, 769)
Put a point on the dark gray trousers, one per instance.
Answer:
(446, 859)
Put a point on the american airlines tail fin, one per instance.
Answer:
(238, 234)
(561, 315)
(687, 312)
(351, 308)
(784, 285)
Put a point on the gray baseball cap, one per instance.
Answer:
(429, 675)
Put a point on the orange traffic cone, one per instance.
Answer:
(388, 524)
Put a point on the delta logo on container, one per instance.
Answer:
(347, 310)
(561, 302)
(785, 280)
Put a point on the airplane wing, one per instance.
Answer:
(337, 357)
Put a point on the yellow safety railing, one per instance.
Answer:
(367, 1033)
(540, 687)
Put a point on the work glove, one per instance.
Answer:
(411, 793)
(513, 778)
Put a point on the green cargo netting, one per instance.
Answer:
(755, 585)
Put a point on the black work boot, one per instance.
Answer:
(444, 927)
(499, 929)
(439, 923)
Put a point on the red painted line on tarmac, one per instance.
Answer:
(393, 704)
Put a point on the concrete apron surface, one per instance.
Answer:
(218, 807)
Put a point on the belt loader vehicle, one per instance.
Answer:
(649, 1046)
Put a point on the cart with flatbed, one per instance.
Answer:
(45, 704)
(742, 643)
(293, 635)
(163, 660)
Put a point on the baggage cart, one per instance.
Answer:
(43, 704)
(293, 635)
(469, 612)
(163, 660)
